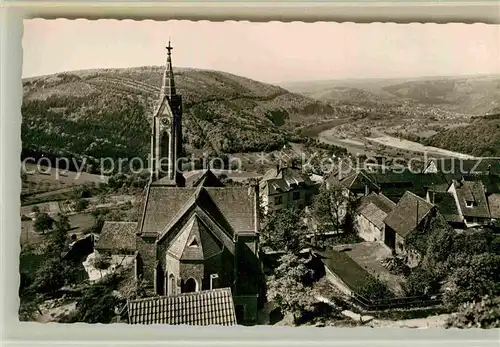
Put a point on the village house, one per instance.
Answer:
(458, 166)
(370, 214)
(283, 187)
(392, 183)
(447, 206)
(194, 234)
(471, 202)
(411, 214)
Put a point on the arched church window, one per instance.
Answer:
(172, 285)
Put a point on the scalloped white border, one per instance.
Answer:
(30, 334)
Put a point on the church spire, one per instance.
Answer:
(168, 84)
(166, 136)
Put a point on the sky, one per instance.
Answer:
(269, 52)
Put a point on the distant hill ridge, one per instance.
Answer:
(474, 95)
(105, 112)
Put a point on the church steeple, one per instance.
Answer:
(168, 83)
(166, 135)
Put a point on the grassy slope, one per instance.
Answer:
(101, 113)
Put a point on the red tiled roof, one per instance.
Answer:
(208, 307)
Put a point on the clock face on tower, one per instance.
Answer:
(164, 121)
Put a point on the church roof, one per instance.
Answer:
(194, 242)
(208, 307)
(232, 208)
(192, 179)
(204, 177)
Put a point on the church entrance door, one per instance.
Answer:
(190, 286)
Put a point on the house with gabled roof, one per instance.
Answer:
(370, 214)
(392, 183)
(411, 214)
(461, 166)
(117, 238)
(471, 201)
(447, 206)
(284, 187)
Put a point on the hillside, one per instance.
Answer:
(105, 113)
(473, 95)
(481, 138)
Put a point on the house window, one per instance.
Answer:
(470, 203)
(278, 200)
(296, 195)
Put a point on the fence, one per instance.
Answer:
(404, 302)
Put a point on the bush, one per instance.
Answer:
(374, 289)
(25, 218)
(81, 204)
(482, 314)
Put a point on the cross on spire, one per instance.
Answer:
(169, 48)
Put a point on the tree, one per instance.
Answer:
(35, 209)
(374, 289)
(476, 277)
(331, 206)
(287, 287)
(52, 275)
(43, 222)
(81, 204)
(63, 223)
(97, 304)
(284, 230)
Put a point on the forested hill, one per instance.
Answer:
(105, 113)
(481, 138)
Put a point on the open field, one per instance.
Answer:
(42, 179)
(79, 223)
(406, 145)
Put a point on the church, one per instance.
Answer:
(194, 234)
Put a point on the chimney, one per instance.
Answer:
(367, 190)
